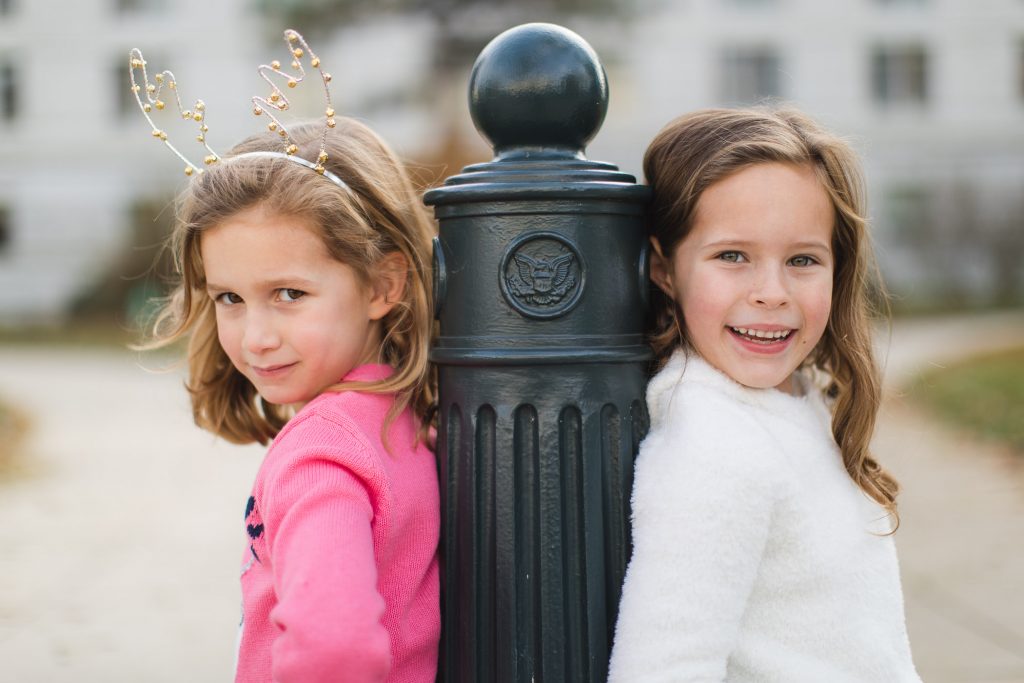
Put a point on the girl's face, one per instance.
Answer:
(754, 276)
(290, 317)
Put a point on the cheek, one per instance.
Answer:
(703, 296)
(229, 335)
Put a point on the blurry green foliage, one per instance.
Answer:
(983, 394)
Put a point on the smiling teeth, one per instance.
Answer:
(761, 334)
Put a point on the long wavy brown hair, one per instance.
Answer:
(698, 149)
(382, 214)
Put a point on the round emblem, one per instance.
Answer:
(542, 275)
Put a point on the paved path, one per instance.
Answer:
(119, 546)
(961, 542)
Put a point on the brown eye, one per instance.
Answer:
(228, 299)
(291, 294)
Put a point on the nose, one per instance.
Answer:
(769, 288)
(260, 332)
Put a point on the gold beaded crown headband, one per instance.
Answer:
(148, 95)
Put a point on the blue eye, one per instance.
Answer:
(228, 299)
(291, 294)
(731, 257)
(803, 261)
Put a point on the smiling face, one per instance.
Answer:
(291, 318)
(754, 275)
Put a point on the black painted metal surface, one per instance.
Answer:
(541, 283)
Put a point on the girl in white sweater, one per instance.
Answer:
(762, 526)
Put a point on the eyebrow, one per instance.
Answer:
(717, 244)
(277, 283)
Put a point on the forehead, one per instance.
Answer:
(255, 241)
(766, 201)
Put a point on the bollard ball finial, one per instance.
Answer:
(538, 87)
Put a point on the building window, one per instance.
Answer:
(124, 99)
(899, 74)
(750, 74)
(8, 91)
(1020, 68)
(6, 233)
(138, 6)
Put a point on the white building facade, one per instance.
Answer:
(931, 92)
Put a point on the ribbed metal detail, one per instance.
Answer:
(484, 607)
(536, 540)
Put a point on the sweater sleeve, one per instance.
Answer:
(702, 507)
(325, 576)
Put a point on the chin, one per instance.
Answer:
(283, 398)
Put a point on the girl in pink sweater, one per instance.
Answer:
(303, 296)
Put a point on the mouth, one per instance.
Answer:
(271, 370)
(761, 337)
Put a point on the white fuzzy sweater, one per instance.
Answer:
(756, 557)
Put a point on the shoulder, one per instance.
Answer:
(707, 431)
(343, 427)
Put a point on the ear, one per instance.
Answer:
(388, 287)
(661, 269)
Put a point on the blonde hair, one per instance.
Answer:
(698, 149)
(379, 214)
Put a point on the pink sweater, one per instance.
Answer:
(340, 580)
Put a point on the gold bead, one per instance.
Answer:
(292, 83)
(292, 149)
(204, 128)
(136, 63)
(186, 114)
(198, 116)
(257, 111)
(275, 65)
(173, 85)
(159, 104)
(322, 157)
(330, 111)
(200, 105)
(189, 170)
(156, 133)
(200, 138)
(159, 78)
(315, 62)
(331, 123)
(319, 169)
(209, 159)
(136, 88)
(150, 88)
(147, 108)
(283, 133)
(327, 78)
(272, 126)
(163, 135)
(295, 64)
(274, 97)
(292, 36)
(297, 52)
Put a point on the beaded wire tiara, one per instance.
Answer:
(149, 97)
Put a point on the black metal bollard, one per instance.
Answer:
(541, 284)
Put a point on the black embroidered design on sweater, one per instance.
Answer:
(253, 524)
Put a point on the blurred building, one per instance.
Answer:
(79, 170)
(931, 92)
